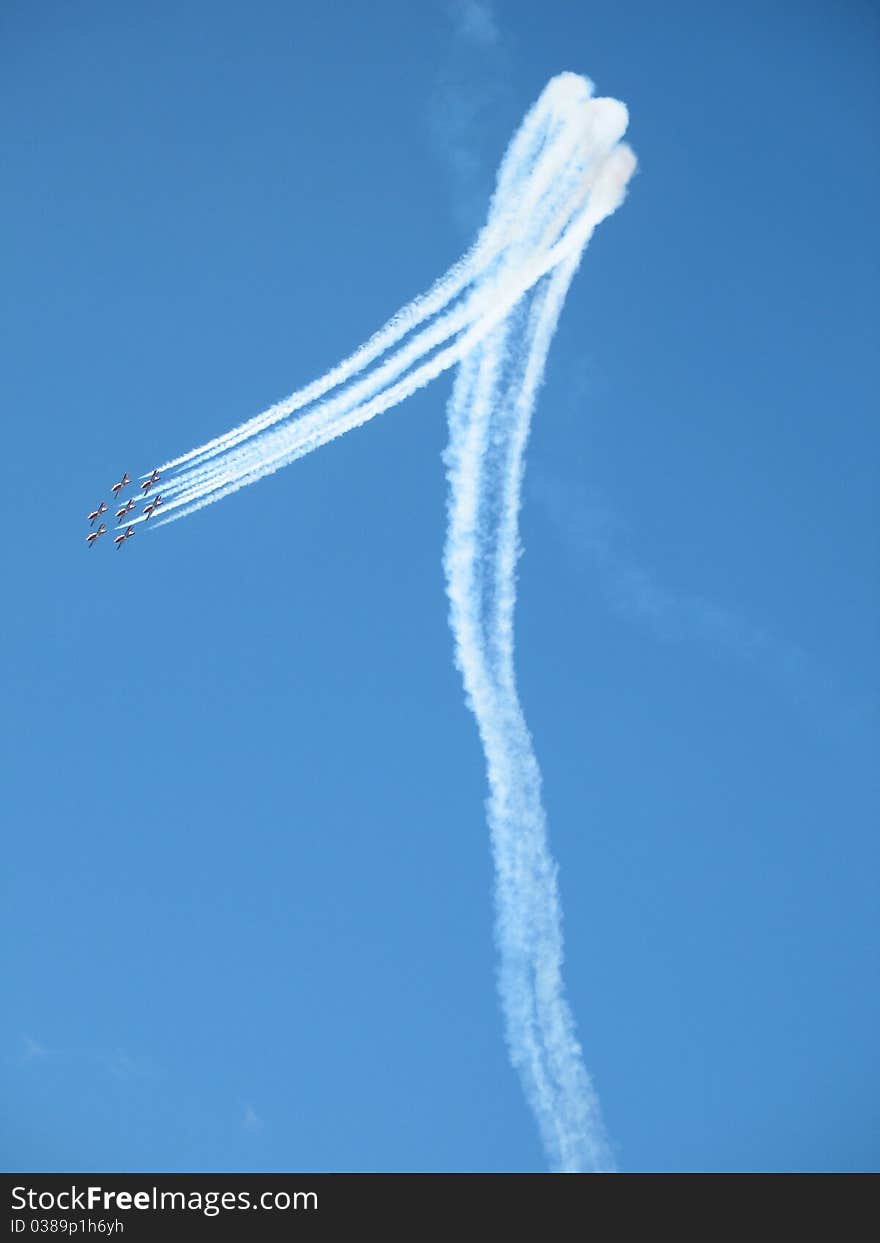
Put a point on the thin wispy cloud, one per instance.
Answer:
(251, 1120)
(32, 1050)
(593, 534)
(472, 90)
(115, 1063)
(123, 1066)
(596, 538)
(475, 22)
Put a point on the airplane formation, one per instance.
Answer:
(123, 511)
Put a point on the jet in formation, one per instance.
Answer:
(92, 538)
(125, 509)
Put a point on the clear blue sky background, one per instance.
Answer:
(246, 913)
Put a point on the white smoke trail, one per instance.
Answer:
(333, 417)
(500, 289)
(493, 315)
(489, 416)
(480, 556)
(556, 158)
(406, 320)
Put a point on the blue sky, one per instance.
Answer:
(247, 918)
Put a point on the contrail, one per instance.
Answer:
(493, 316)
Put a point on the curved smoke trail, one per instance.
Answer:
(493, 316)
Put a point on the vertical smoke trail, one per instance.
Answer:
(489, 416)
(481, 547)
